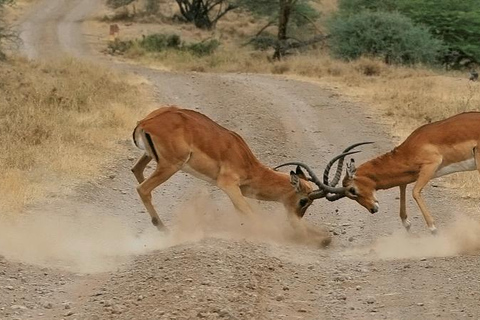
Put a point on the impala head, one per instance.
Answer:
(299, 200)
(360, 188)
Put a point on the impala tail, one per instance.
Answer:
(143, 141)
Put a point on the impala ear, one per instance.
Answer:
(351, 169)
(295, 181)
(300, 173)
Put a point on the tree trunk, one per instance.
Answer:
(283, 18)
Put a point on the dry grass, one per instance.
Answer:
(59, 122)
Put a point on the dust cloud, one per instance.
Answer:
(201, 217)
(461, 237)
(89, 242)
(84, 243)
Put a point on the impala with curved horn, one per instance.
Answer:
(433, 150)
(186, 140)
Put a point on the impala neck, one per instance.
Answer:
(268, 185)
(389, 170)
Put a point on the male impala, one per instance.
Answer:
(431, 151)
(181, 139)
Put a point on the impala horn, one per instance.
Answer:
(323, 188)
(338, 173)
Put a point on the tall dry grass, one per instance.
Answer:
(59, 122)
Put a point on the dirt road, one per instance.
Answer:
(94, 254)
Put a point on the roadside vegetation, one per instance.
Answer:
(60, 122)
(409, 60)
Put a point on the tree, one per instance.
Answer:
(285, 14)
(391, 36)
(457, 23)
(205, 13)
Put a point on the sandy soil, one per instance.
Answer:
(94, 254)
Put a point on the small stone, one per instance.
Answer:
(48, 305)
(358, 288)
(224, 313)
(302, 310)
(279, 297)
(423, 259)
(8, 287)
(112, 176)
(117, 309)
(351, 239)
(420, 304)
(68, 313)
(342, 297)
(371, 300)
(18, 307)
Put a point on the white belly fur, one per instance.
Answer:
(467, 165)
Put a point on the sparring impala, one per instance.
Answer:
(181, 139)
(431, 151)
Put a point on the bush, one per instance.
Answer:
(119, 46)
(203, 48)
(356, 6)
(390, 36)
(118, 3)
(159, 42)
(152, 6)
(264, 42)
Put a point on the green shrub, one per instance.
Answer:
(118, 3)
(159, 42)
(390, 36)
(356, 6)
(119, 46)
(203, 48)
(264, 42)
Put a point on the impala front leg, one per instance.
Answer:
(425, 176)
(403, 208)
(235, 194)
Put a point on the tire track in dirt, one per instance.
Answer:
(240, 275)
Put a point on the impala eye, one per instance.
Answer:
(303, 202)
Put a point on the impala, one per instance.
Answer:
(181, 139)
(431, 151)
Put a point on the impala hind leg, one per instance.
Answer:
(426, 174)
(403, 208)
(161, 174)
(140, 166)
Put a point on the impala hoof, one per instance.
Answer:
(407, 224)
(160, 226)
(433, 230)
